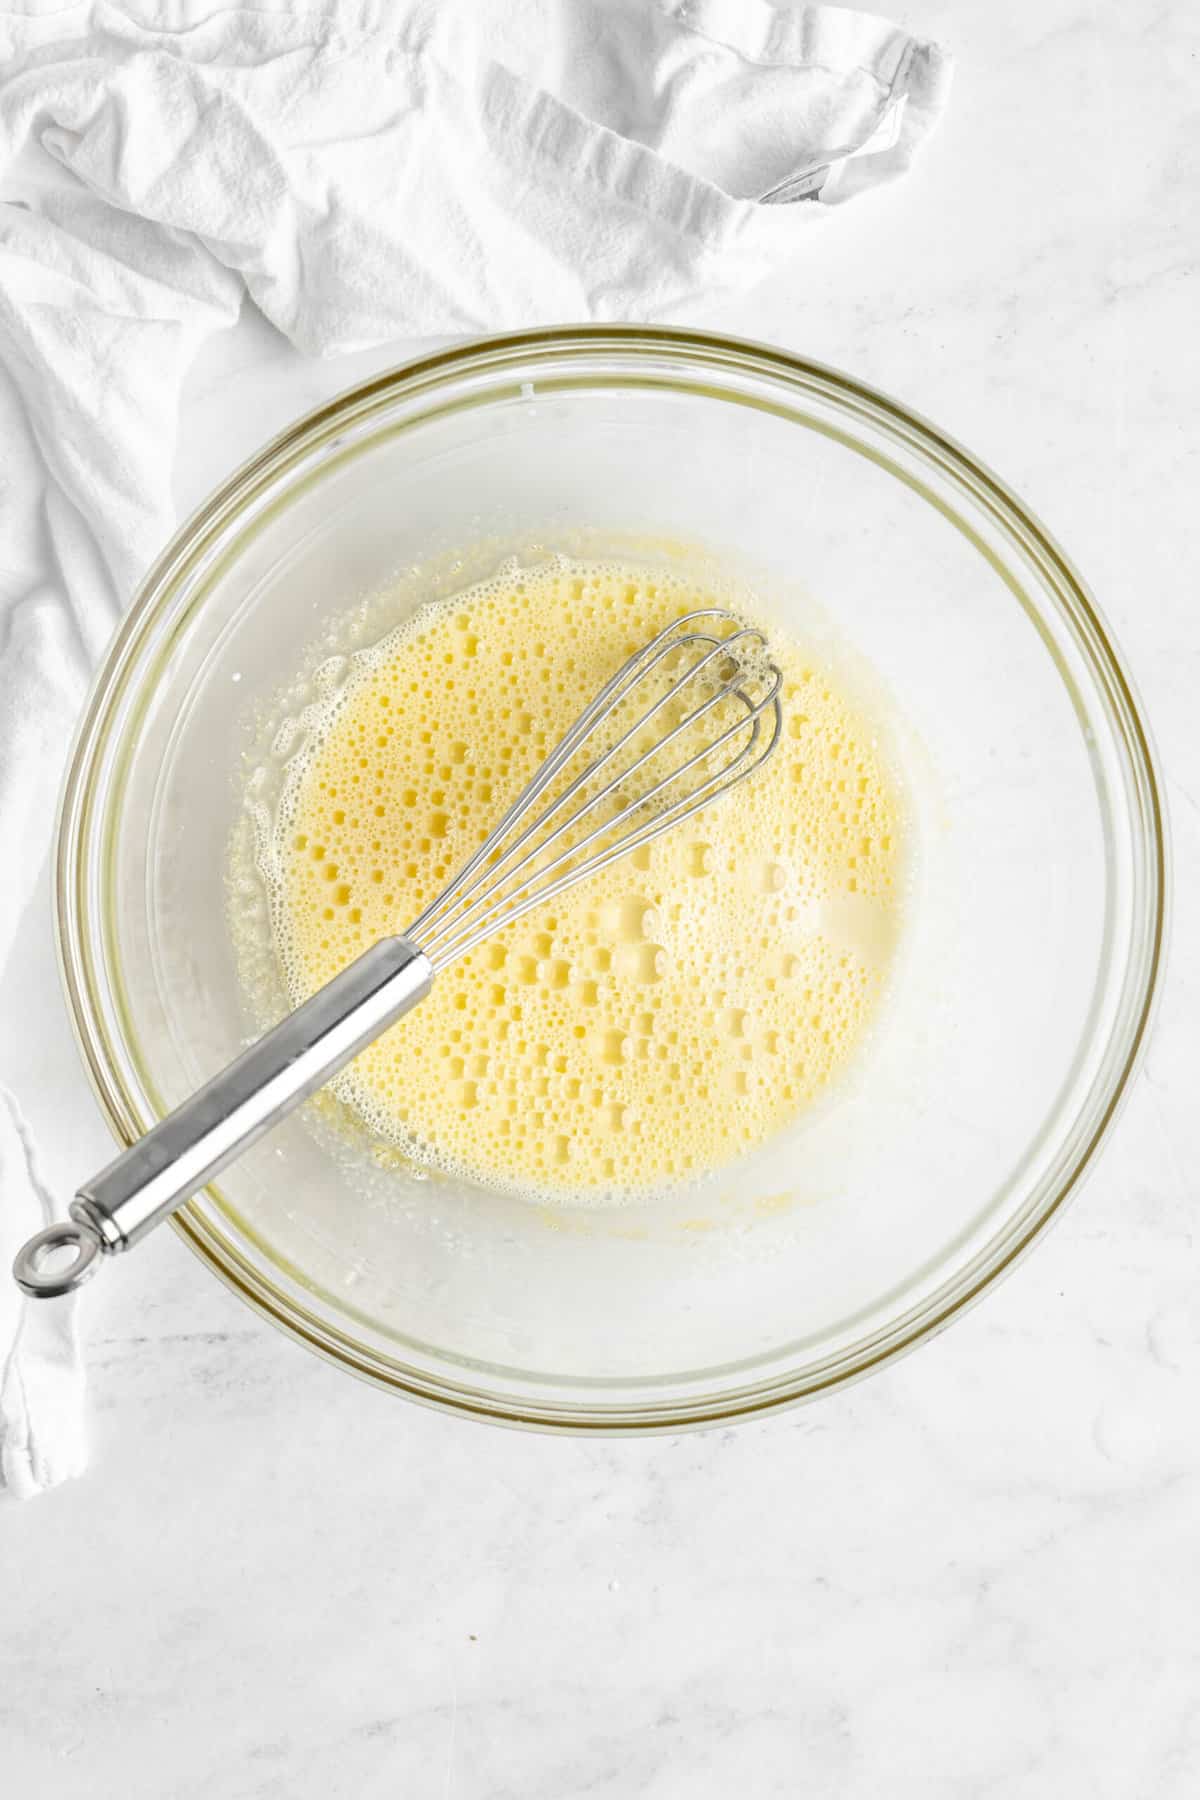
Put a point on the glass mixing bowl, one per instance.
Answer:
(1037, 927)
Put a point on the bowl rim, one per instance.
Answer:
(186, 551)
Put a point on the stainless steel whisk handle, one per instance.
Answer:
(147, 1182)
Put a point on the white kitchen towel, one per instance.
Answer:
(41, 1389)
(365, 170)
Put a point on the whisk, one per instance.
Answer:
(689, 716)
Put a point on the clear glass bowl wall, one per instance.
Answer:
(1037, 927)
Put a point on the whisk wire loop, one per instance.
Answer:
(608, 697)
(508, 875)
(491, 872)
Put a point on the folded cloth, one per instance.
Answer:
(41, 1391)
(365, 170)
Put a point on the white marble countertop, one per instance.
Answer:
(967, 1576)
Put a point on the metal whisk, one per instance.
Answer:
(688, 717)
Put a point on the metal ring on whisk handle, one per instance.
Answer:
(42, 1283)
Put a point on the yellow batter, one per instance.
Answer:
(685, 1003)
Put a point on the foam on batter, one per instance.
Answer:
(682, 1005)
